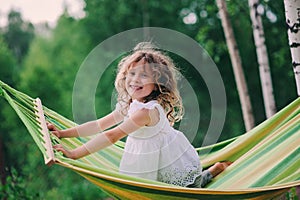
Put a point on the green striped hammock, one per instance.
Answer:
(266, 159)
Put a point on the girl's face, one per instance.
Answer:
(139, 81)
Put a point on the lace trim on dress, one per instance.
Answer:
(180, 177)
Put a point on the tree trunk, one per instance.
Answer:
(237, 66)
(262, 57)
(292, 14)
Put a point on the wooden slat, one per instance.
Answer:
(49, 156)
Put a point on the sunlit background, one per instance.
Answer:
(38, 12)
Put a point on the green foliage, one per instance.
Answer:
(279, 54)
(14, 187)
(48, 72)
(18, 34)
(60, 185)
(57, 60)
(7, 62)
(7, 69)
(100, 23)
(211, 37)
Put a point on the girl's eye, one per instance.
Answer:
(144, 75)
(131, 73)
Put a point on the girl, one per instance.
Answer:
(148, 105)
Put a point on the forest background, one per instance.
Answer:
(43, 63)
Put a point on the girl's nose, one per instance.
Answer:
(136, 78)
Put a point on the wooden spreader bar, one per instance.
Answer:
(49, 155)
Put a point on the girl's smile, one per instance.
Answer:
(139, 83)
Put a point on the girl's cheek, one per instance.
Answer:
(151, 81)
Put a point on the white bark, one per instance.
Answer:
(292, 14)
(262, 57)
(237, 66)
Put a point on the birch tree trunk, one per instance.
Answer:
(237, 66)
(262, 58)
(292, 14)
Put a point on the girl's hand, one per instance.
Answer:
(54, 130)
(67, 153)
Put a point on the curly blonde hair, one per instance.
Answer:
(165, 76)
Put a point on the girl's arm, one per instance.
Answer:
(89, 128)
(137, 120)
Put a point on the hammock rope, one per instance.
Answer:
(266, 159)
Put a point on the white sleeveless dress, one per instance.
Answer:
(159, 152)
